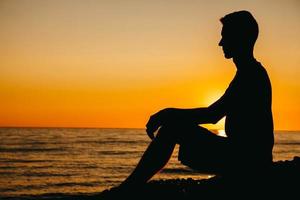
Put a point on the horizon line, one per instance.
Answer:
(96, 127)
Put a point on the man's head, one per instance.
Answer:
(239, 33)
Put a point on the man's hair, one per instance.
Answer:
(242, 26)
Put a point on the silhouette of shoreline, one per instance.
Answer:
(282, 180)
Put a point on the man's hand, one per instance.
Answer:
(158, 119)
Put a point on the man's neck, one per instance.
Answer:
(243, 61)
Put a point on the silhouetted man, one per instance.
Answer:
(246, 104)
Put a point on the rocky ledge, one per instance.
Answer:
(282, 180)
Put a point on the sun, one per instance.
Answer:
(212, 96)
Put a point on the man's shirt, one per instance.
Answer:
(247, 107)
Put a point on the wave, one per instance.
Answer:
(13, 150)
(288, 143)
(22, 142)
(108, 152)
(286, 151)
(51, 185)
(45, 174)
(114, 141)
(33, 174)
(55, 196)
(10, 160)
(59, 166)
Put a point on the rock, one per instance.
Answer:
(282, 180)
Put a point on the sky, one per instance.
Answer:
(113, 63)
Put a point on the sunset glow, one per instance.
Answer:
(113, 63)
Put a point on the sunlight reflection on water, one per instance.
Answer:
(69, 161)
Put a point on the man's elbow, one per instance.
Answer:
(215, 119)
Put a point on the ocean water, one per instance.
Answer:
(47, 161)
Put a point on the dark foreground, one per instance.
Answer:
(282, 181)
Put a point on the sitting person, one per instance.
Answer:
(246, 104)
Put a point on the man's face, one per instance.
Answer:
(227, 43)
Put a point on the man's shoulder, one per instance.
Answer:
(259, 71)
(261, 77)
(263, 72)
(261, 68)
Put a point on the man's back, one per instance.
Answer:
(249, 122)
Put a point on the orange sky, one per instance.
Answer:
(113, 63)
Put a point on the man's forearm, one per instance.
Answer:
(194, 115)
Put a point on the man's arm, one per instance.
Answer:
(206, 115)
(178, 116)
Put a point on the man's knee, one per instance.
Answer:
(176, 133)
(167, 132)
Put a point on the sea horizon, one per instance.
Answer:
(138, 128)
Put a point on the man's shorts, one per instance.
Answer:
(203, 150)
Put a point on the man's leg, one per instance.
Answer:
(154, 158)
(204, 151)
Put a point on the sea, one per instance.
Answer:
(70, 161)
